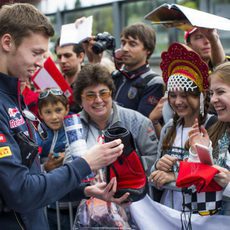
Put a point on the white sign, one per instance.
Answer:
(74, 34)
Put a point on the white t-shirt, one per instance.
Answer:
(173, 198)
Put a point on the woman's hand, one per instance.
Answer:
(159, 178)
(106, 192)
(198, 136)
(223, 177)
(165, 163)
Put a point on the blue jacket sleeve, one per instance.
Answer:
(24, 189)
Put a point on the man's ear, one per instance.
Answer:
(40, 114)
(67, 109)
(7, 42)
(81, 56)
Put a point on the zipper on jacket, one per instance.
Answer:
(18, 219)
(120, 88)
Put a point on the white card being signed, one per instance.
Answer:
(72, 34)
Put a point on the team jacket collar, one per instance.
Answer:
(8, 84)
(137, 72)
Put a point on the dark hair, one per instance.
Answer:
(90, 75)
(144, 33)
(77, 48)
(188, 39)
(171, 134)
(53, 100)
(22, 19)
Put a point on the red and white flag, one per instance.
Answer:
(50, 77)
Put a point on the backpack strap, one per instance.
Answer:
(143, 82)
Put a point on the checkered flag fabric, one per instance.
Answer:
(204, 203)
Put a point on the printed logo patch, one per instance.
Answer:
(16, 122)
(5, 151)
(13, 112)
(132, 92)
(2, 138)
(16, 118)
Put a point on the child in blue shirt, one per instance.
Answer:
(53, 106)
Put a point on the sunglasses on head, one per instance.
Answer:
(92, 96)
(45, 93)
(39, 127)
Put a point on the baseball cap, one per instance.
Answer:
(187, 33)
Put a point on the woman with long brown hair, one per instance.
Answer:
(217, 136)
(186, 77)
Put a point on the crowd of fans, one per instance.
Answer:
(141, 129)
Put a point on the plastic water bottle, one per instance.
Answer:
(74, 135)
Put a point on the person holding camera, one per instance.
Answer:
(138, 87)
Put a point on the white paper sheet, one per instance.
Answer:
(70, 34)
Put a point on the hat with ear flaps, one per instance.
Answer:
(182, 67)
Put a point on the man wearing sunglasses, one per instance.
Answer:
(24, 190)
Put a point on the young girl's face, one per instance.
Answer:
(220, 94)
(185, 105)
(53, 115)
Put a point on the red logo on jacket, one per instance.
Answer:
(2, 138)
(16, 118)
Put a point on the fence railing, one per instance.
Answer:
(170, 186)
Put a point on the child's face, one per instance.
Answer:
(53, 115)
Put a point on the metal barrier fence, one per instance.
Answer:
(71, 214)
(171, 187)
